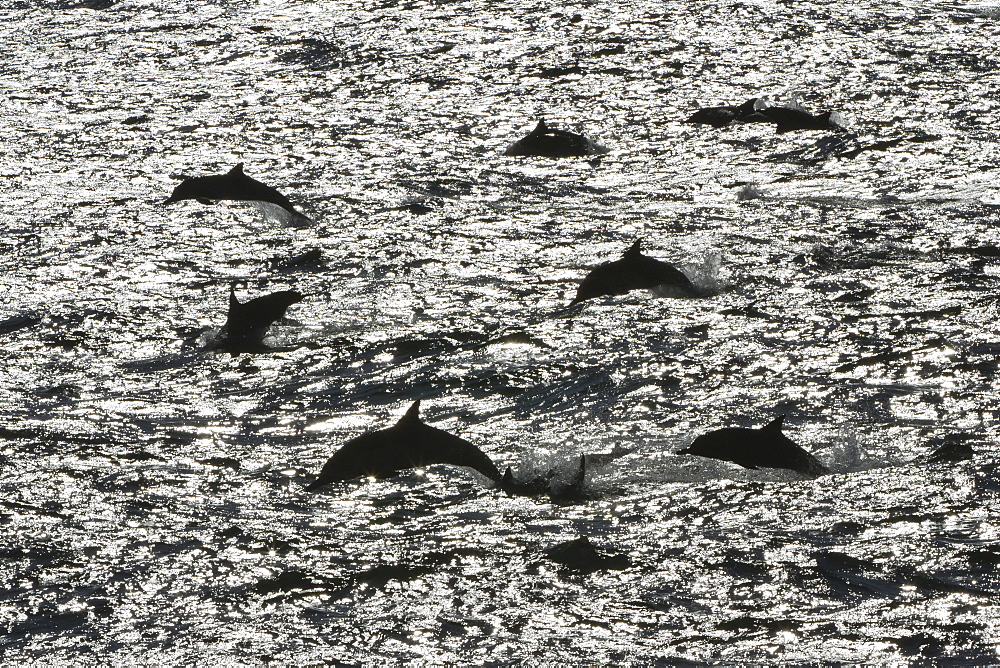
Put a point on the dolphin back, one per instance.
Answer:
(409, 444)
(247, 323)
(260, 312)
(634, 271)
(548, 142)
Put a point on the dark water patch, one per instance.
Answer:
(141, 456)
(222, 462)
(19, 322)
(379, 576)
(293, 584)
(50, 508)
(854, 578)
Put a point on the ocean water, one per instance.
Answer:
(152, 488)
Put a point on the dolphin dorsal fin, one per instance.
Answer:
(775, 424)
(237, 170)
(412, 414)
(234, 303)
(541, 128)
(635, 250)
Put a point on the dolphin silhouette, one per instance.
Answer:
(233, 185)
(727, 114)
(753, 448)
(634, 271)
(788, 119)
(408, 444)
(581, 556)
(248, 322)
(548, 142)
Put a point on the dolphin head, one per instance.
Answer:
(187, 189)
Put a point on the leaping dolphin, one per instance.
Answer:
(408, 444)
(753, 448)
(634, 271)
(548, 142)
(248, 322)
(233, 185)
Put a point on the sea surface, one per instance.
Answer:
(152, 501)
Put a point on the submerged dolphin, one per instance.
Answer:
(408, 444)
(581, 556)
(248, 322)
(233, 185)
(548, 142)
(570, 490)
(786, 117)
(752, 448)
(634, 271)
(720, 117)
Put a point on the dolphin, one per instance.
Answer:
(548, 142)
(789, 119)
(581, 556)
(233, 185)
(720, 117)
(753, 448)
(408, 444)
(248, 322)
(634, 271)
